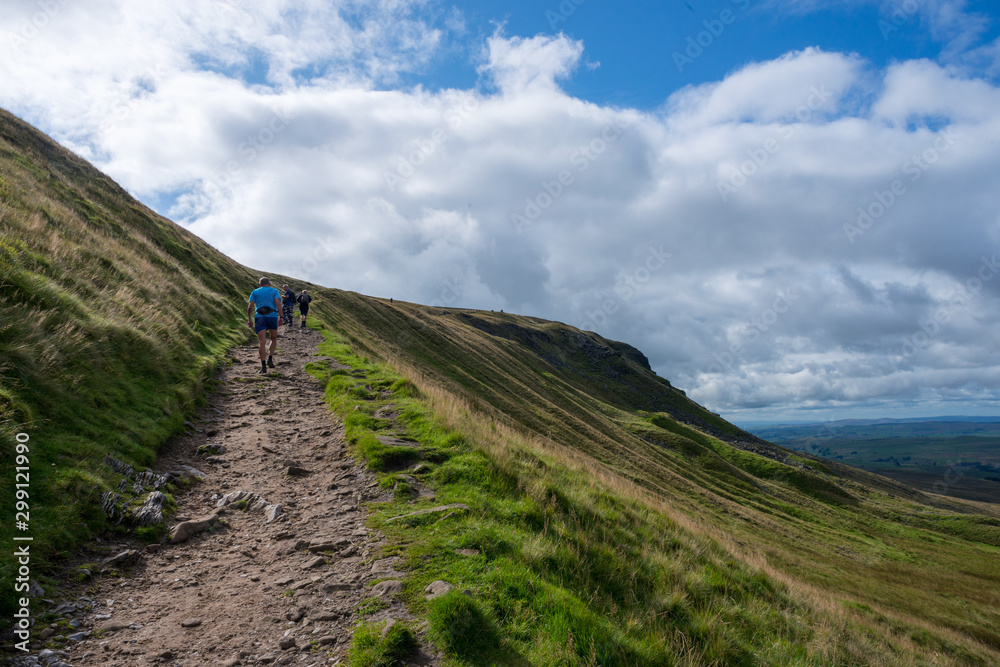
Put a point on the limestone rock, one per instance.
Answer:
(183, 531)
(150, 513)
(124, 559)
(436, 589)
(212, 449)
(388, 587)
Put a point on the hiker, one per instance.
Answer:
(304, 300)
(267, 302)
(288, 301)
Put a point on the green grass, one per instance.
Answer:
(374, 646)
(570, 571)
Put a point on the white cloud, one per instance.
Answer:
(277, 136)
(521, 65)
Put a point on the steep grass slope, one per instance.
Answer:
(111, 319)
(619, 522)
(864, 544)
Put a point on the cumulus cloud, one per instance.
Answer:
(807, 232)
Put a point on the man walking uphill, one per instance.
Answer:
(304, 300)
(288, 301)
(267, 302)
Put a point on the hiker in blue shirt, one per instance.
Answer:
(265, 320)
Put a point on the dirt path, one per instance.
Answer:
(249, 590)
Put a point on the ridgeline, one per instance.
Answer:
(615, 520)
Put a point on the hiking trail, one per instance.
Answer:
(277, 576)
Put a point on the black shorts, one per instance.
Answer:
(303, 309)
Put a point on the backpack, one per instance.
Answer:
(305, 298)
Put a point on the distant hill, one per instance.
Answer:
(645, 528)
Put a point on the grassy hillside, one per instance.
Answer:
(859, 544)
(613, 520)
(111, 320)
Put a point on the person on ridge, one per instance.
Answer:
(288, 301)
(264, 321)
(304, 300)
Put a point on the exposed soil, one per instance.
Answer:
(247, 590)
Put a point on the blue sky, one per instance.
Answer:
(792, 207)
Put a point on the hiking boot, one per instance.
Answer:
(301, 324)
(270, 363)
(262, 370)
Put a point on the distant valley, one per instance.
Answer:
(954, 456)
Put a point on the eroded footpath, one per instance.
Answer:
(278, 558)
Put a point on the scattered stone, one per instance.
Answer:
(79, 636)
(232, 662)
(436, 589)
(112, 626)
(327, 640)
(321, 546)
(324, 617)
(34, 590)
(349, 551)
(333, 588)
(467, 552)
(212, 449)
(286, 643)
(295, 615)
(450, 509)
(272, 512)
(284, 581)
(124, 559)
(150, 513)
(315, 562)
(166, 655)
(183, 531)
(187, 473)
(302, 544)
(388, 587)
(191, 623)
(295, 471)
(384, 564)
(251, 501)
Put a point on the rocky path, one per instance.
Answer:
(278, 558)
